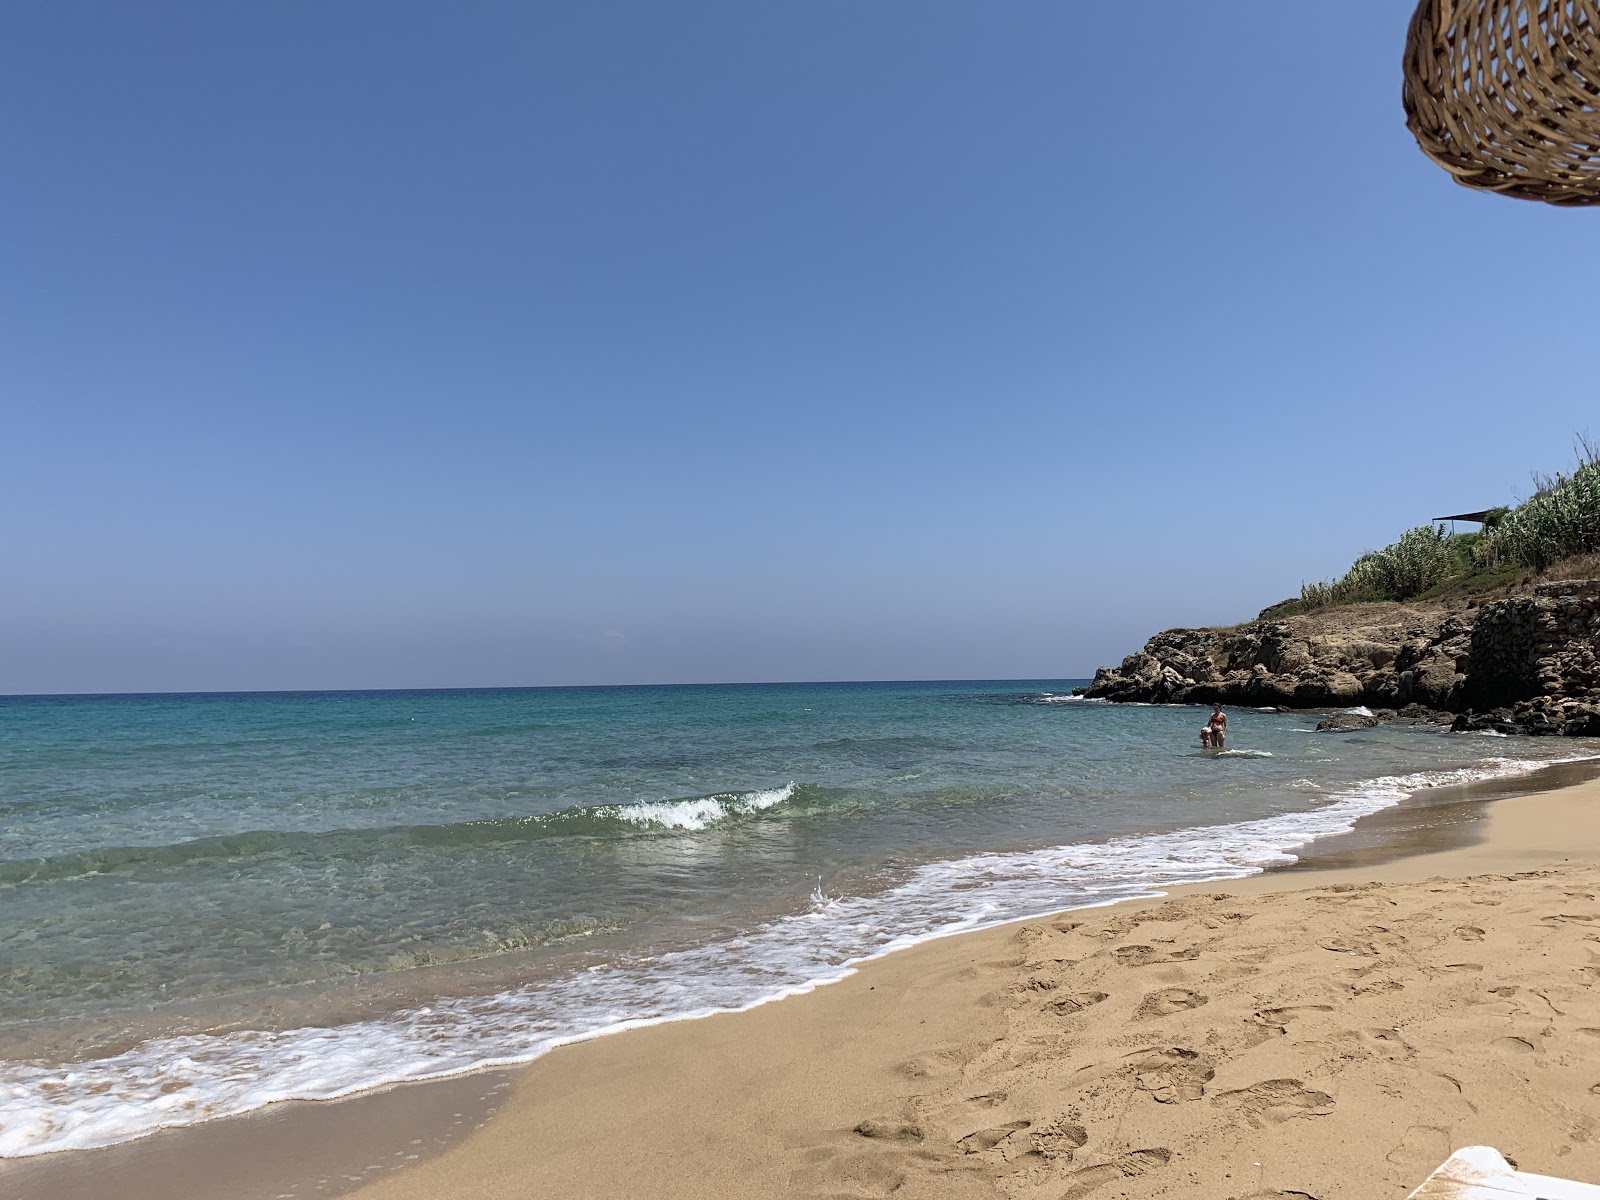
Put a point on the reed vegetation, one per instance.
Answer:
(1423, 557)
(1559, 521)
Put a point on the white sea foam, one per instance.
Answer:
(701, 813)
(1360, 710)
(1243, 754)
(178, 1081)
(820, 900)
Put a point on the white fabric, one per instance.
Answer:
(1480, 1173)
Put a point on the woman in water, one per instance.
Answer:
(1217, 727)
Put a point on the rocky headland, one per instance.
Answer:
(1527, 663)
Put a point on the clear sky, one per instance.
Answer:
(388, 344)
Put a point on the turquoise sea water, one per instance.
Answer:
(567, 861)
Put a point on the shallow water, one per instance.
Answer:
(638, 853)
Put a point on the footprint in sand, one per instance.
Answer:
(940, 1062)
(1143, 956)
(1377, 987)
(1035, 983)
(1419, 1148)
(987, 1100)
(1269, 1023)
(1075, 1003)
(1173, 1075)
(1127, 1166)
(861, 1174)
(1274, 1022)
(1166, 1002)
(1350, 946)
(889, 1131)
(1373, 1043)
(1514, 1045)
(1059, 1140)
(1136, 956)
(1469, 933)
(988, 1139)
(1275, 1100)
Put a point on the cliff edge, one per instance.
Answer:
(1522, 664)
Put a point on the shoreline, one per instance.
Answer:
(828, 1093)
(451, 1117)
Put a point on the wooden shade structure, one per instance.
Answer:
(1505, 95)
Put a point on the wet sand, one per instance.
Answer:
(293, 1149)
(1434, 819)
(1342, 1036)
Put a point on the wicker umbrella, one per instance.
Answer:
(1505, 95)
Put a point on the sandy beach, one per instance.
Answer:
(1318, 1033)
(1328, 1031)
(752, 601)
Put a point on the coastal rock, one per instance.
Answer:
(1523, 664)
(1345, 721)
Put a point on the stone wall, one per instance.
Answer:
(1508, 640)
(1534, 664)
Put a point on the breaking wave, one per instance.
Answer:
(692, 814)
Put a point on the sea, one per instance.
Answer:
(209, 903)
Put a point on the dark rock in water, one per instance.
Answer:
(1347, 721)
(1497, 721)
(1539, 717)
(1080, 691)
(1526, 664)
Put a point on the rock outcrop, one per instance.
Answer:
(1523, 664)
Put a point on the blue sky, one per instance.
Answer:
(390, 344)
